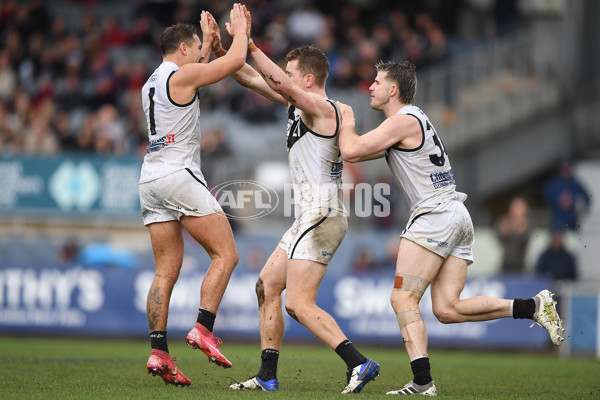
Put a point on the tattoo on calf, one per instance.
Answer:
(153, 307)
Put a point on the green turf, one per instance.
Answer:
(35, 368)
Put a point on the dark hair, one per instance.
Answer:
(176, 34)
(311, 60)
(403, 75)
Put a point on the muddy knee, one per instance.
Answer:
(260, 291)
(291, 312)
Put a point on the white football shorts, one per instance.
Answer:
(177, 194)
(315, 236)
(446, 229)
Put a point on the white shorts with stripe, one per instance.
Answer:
(445, 228)
(315, 236)
(177, 194)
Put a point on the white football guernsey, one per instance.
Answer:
(438, 220)
(173, 129)
(315, 165)
(424, 174)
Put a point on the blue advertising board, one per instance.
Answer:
(584, 313)
(70, 185)
(89, 301)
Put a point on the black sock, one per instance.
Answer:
(268, 365)
(206, 319)
(421, 371)
(523, 308)
(158, 340)
(350, 354)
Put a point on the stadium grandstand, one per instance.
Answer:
(512, 86)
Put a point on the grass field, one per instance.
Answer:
(61, 368)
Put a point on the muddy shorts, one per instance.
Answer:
(315, 236)
(445, 228)
(177, 194)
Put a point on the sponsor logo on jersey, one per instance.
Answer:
(336, 170)
(160, 143)
(441, 179)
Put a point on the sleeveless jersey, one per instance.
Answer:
(315, 165)
(173, 129)
(424, 173)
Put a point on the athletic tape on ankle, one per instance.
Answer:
(411, 283)
(408, 317)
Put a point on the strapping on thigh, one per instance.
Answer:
(408, 317)
(411, 283)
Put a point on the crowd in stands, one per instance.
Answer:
(71, 70)
(568, 202)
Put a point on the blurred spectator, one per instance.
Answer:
(40, 138)
(141, 33)
(109, 131)
(567, 198)
(434, 39)
(69, 93)
(556, 262)
(88, 57)
(101, 76)
(305, 24)
(390, 258)
(8, 78)
(68, 253)
(363, 261)
(113, 35)
(513, 233)
(62, 126)
(8, 142)
(216, 155)
(85, 138)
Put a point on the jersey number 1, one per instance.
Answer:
(435, 159)
(152, 123)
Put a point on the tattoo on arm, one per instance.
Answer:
(269, 78)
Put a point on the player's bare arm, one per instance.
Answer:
(245, 76)
(250, 78)
(402, 131)
(193, 75)
(317, 114)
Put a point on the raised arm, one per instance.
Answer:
(196, 75)
(391, 132)
(245, 76)
(280, 82)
